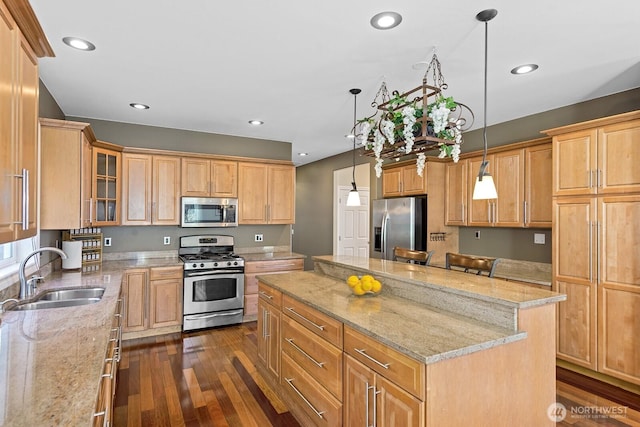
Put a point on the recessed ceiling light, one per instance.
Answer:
(303, 154)
(386, 20)
(256, 122)
(79, 44)
(139, 106)
(524, 69)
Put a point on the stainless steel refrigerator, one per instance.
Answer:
(399, 222)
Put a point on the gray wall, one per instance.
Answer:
(314, 218)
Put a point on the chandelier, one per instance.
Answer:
(415, 122)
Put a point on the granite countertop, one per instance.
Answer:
(425, 333)
(270, 256)
(51, 360)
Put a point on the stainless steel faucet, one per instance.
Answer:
(25, 288)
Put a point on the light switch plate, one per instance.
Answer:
(166, 240)
(107, 241)
(538, 238)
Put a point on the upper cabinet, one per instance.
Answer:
(522, 174)
(209, 178)
(403, 181)
(597, 157)
(266, 193)
(106, 173)
(18, 125)
(65, 148)
(150, 189)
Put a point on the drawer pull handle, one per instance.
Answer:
(294, 345)
(321, 327)
(363, 352)
(318, 413)
(266, 295)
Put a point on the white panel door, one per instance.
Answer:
(353, 225)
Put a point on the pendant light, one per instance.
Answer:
(354, 196)
(484, 187)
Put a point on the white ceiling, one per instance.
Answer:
(211, 66)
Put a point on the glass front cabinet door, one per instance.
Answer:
(106, 190)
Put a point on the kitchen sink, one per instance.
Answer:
(43, 304)
(71, 294)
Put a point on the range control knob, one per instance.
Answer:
(194, 265)
(202, 265)
(215, 264)
(235, 262)
(228, 262)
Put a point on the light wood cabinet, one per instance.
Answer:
(403, 181)
(65, 148)
(266, 193)
(152, 299)
(150, 189)
(252, 269)
(209, 178)
(538, 210)
(18, 132)
(106, 173)
(598, 157)
(456, 193)
(269, 303)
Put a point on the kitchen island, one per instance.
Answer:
(482, 350)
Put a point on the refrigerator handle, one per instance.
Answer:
(383, 235)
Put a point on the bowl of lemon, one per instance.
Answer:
(365, 285)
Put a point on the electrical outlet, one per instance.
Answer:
(259, 238)
(538, 238)
(167, 240)
(107, 241)
(478, 234)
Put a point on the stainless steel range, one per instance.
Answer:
(213, 281)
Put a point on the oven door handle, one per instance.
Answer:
(210, 315)
(212, 273)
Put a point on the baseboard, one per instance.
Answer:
(600, 388)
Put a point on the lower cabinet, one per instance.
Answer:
(152, 299)
(269, 303)
(254, 268)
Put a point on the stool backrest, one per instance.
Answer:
(472, 264)
(410, 255)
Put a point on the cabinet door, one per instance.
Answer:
(136, 189)
(509, 180)
(196, 177)
(86, 198)
(252, 193)
(618, 158)
(538, 180)
(165, 208)
(8, 183)
(480, 212)
(396, 407)
(392, 182)
(619, 331)
(282, 190)
(27, 139)
(456, 193)
(359, 392)
(574, 161)
(106, 186)
(412, 183)
(224, 178)
(262, 330)
(574, 274)
(273, 342)
(135, 293)
(165, 307)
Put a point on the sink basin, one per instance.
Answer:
(42, 304)
(71, 294)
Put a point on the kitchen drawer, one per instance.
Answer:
(272, 296)
(314, 355)
(172, 272)
(257, 267)
(314, 400)
(250, 304)
(317, 322)
(397, 367)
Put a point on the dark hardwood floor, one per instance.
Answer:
(208, 378)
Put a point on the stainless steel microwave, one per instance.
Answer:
(209, 212)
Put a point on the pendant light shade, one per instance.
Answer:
(484, 187)
(354, 196)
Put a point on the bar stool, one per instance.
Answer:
(476, 264)
(412, 256)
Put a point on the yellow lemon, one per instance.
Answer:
(367, 285)
(376, 286)
(367, 278)
(353, 280)
(357, 289)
